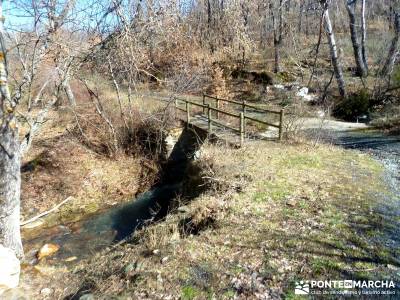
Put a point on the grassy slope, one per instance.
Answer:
(277, 213)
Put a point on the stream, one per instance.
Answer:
(93, 233)
(81, 239)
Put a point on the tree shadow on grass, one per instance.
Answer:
(348, 252)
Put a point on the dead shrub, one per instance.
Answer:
(296, 112)
(219, 86)
(132, 133)
(158, 236)
(201, 219)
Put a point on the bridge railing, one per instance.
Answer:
(244, 107)
(207, 110)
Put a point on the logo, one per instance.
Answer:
(348, 284)
(345, 287)
(302, 288)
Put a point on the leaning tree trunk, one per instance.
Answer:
(361, 68)
(68, 91)
(393, 50)
(10, 163)
(337, 68)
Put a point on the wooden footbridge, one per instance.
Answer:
(230, 120)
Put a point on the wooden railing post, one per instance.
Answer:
(244, 114)
(242, 129)
(204, 103)
(281, 116)
(209, 118)
(217, 106)
(187, 112)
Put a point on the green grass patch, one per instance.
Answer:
(302, 162)
(189, 292)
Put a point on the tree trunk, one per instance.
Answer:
(209, 24)
(337, 68)
(10, 162)
(390, 16)
(68, 91)
(277, 66)
(10, 187)
(307, 23)
(363, 35)
(361, 69)
(300, 24)
(393, 50)
(278, 35)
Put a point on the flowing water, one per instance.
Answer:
(81, 239)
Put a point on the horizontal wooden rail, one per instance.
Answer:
(181, 109)
(224, 100)
(244, 103)
(224, 112)
(205, 106)
(263, 109)
(191, 102)
(261, 121)
(242, 117)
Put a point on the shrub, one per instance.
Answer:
(140, 134)
(219, 86)
(354, 106)
(396, 77)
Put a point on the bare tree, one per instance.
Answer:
(10, 161)
(358, 53)
(39, 46)
(278, 26)
(364, 35)
(394, 48)
(337, 67)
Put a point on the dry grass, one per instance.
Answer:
(388, 119)
(58, 167)
(275, 213)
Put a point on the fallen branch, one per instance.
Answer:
(46, 212)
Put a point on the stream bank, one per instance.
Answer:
(79, 240)
(280, 213)
(277, 213)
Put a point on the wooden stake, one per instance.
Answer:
(204, 103)
(187, 112)
(209, 118)
(241, 129)
(217, 106)
(281, 115)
